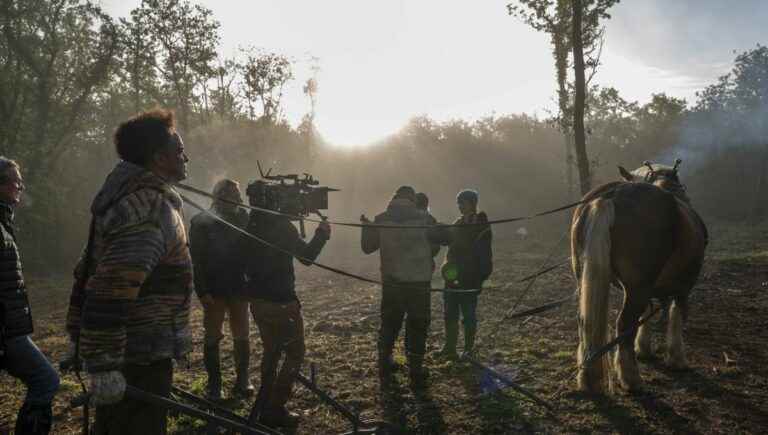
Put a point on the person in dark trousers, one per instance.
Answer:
(219, 284)
(468, 264)
(406, 271)
(19, 356)
(130, 319)
(274, 304)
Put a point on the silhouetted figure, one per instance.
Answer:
(468, 264)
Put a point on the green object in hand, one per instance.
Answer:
(450, 272)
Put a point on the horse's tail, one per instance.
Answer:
(594, 276)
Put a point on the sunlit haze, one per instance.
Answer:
(385, 62)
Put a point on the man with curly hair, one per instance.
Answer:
(129, 309)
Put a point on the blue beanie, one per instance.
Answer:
(468, 195)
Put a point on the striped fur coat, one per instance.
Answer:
(134, 307)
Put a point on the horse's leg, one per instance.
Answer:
(643, 340)
(635, 302)
(678, 312)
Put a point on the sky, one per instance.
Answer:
(383, 62)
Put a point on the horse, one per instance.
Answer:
(641, 235)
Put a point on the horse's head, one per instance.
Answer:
(663, 176)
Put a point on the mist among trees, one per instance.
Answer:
(69, 73)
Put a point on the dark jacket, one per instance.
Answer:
(269, 272)
(134, 308)
(406, 254)
(15, 315)
(470, 252)
(218, 263)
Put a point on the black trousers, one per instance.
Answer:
(129, 417)
(409, 301)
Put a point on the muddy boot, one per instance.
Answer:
(469, 341)
(243, 386)
(213, 367)
(417, 372)
(279, 417)
(451, 338)
(34, 420)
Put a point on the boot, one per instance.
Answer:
(417, 372)
(279, 417)
(469, 340)
(451, 338)
(387, 365)
(243, 386)
(212, 363)
(34, 420)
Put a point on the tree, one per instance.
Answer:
(264, 77)
(556, 17)
(734, 111)
(179, 40)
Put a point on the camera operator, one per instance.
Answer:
(19, 355)
(219, 281)
(275, 307)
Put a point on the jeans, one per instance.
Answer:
(24, 360)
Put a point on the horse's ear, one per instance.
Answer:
(625, 174)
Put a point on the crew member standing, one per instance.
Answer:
(219, 284)
(406, 271)
(271, 288)
(19, 355)
(468, 264)
(130, 319)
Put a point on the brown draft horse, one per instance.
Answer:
(642, 236)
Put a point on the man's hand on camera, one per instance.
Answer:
(324, 228)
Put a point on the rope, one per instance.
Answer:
(374, 225)
(510, 314)
(312, 262)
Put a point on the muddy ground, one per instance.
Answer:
(726, 390)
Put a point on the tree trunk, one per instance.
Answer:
(580, 142)
(759, 208)
(560, 44)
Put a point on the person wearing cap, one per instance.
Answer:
(467, 265)
(406, 271)
(219, 284)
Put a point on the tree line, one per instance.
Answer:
(69, 73)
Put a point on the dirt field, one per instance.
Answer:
(726, 390)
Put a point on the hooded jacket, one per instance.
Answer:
(406, 254)
(134, 306)
(15, 315)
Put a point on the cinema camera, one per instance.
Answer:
(291, 194)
